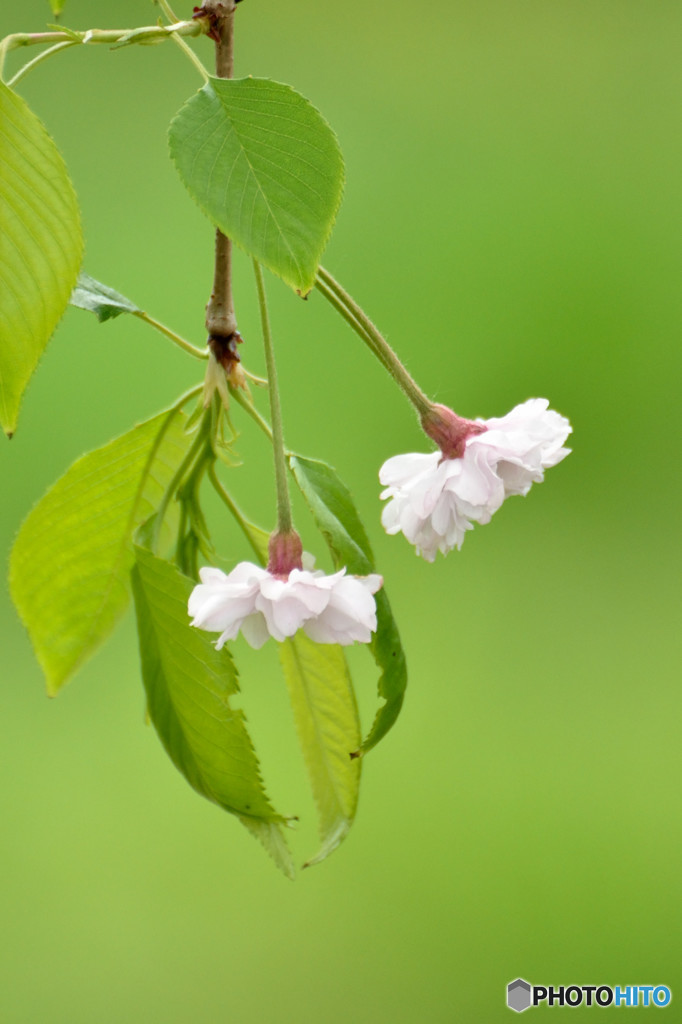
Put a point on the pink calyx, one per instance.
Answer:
(450, 431)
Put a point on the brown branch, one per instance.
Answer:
(221, 322)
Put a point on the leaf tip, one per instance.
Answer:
(355, 754)
(8, 420)
(53, 685)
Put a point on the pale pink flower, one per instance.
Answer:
(434, 499)
(336, 609)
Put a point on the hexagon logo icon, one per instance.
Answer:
(518, 995)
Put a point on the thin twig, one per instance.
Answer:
(145, 34)
(220, 317)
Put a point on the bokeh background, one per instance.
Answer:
(512, 220)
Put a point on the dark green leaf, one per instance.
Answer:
(265, 167)
(40, 251)
(189, 684)
(332, 507)
(328, 726)
(99, 299)
(70, 563)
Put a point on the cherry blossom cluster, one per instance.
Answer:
(433, 499)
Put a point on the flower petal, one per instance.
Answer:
(339, 608)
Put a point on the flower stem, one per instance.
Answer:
(338, 305)
(239, 516)
(186, 346)
(252, 411)
(284, 520)
(363, 326)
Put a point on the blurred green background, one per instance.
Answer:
(512, 220)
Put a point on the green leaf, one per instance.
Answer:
(70, 563)
(40, 247)
(265, 167)
(57, 7)
(332, 507)
(326, 716)
(188, 685)
(99, 299)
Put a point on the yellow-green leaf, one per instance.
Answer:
(40, 247)
(70, 563)
(328, 726)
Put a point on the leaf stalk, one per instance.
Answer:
(186, 346)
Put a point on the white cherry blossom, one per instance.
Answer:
(435, 499)
(336, 609)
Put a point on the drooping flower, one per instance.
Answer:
(336, 609)
(434, 499)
